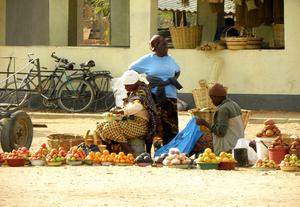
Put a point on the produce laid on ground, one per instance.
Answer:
(290, 163)
(270, 130)
(75, 156)
(38, 158)
(56, 157)
(265, 164)
(176, 159)
(295, 146)
(144, 159)
(278, 143)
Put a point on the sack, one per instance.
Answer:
(243, 143)
(184, 140)
(119, 91)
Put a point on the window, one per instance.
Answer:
(65, 22)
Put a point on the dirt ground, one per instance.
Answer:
(146, 186)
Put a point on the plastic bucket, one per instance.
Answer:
(277, 154)
(262, 145)
(241, 156)
(137, 145)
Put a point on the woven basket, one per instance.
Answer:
(201, 97)
(186, 37)
(208, 115)
(64, 140)
(236, 43)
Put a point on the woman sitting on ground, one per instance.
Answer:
(139, 115)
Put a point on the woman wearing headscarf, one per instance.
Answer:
(139, 113)
(228, 125)
(162, 72)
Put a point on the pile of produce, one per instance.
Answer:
(75, 154)
(208, 157)
(56, 156)
(226, 157)
(266, 163)
(20, 153)
(290, 161)
(270, 130)
(278, 143)
(295, 145)
(160, 159)
(144, 158)
(40, 154)
(107, 157)
(175, 157)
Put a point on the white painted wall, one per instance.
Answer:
(243, 71)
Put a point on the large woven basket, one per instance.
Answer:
(64, 140)
(201, 96)
(186, 37)
(208, 115)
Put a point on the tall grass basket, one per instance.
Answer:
(64, 140)
(208, 115)
(186, 37)
(201, 96)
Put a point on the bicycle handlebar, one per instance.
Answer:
(58, 59)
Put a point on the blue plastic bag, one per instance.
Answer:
(184, 140)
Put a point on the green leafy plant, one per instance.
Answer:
(101, 6)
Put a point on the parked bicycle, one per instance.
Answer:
(74, 90)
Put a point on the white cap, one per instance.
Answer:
(130, 77)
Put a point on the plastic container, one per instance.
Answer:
(15, 162)
(227, 165)
(241, 156)
(38, 162)
(137, 145)
(74, 162)
(207, 166)
(262, 145)
(277, 154)
(288, 168)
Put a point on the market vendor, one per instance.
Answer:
(139, 115)
(227, 127)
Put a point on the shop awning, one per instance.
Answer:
(176, 5)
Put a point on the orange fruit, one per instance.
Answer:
(122, 161)
(121, 153)
(98, 154)
(105, 152)
(129, 155)
(113, 154)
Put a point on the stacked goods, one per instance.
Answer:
(143, 159)
(93, 157)
(75, 156)
(290, 163)
(122, 159)
(107, 158)
(2, 157)
(295, 145)
(278, 143)
(38, 158)
(56, 157)
(17, 157)
(269, 130)
(265, 164)
(158, 160)
(227, 162)
(208, 160)
(254, 42)
(177, 159)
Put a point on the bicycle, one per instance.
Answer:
(81, 89)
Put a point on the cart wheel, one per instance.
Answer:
(17, 131)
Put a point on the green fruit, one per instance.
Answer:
(57, 159)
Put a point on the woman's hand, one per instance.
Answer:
(117, 111)
(200, 122)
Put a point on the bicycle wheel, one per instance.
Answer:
(14, 92)
(47, 86)
(104, 96)
(75, 95)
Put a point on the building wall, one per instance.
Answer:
(271, 73)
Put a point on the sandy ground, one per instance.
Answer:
(148, 186)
